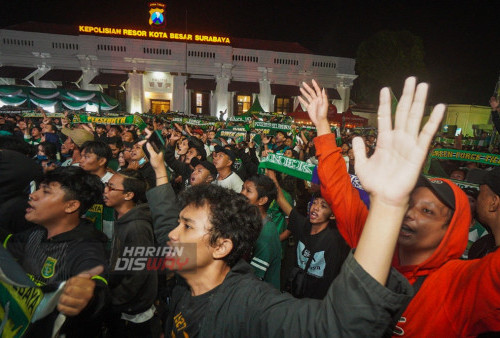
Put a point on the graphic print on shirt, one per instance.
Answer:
(180, 326)
(318, 264)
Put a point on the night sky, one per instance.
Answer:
(461, 38)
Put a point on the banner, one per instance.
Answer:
(287, 165)
(122, 120)
(465, 142)
(195, 122)
(15, 111)
(272, 126)
(233, 133)
(464, 155)
(240, 119)
(49, 115)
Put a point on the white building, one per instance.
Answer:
(165, 74)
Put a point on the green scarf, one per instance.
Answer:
(289, 166)
(463, 155)
(122, 120)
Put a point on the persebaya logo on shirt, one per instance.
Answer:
(49, 267)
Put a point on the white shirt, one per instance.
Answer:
(233, 182)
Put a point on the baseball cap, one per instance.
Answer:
(219, 149)
(207, 165)
(439, 188)
(492, 180)
(79, 136)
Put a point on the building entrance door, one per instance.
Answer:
(158, 106)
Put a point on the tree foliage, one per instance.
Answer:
(386, 59)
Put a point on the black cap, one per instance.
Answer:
(207, 165)
(440, 188)
(492, 180)
(230, 153)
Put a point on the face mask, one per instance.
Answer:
(41, 157)
(142, 161)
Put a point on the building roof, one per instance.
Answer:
(244, 43)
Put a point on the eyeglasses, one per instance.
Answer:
(110, 188)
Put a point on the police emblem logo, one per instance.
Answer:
(49, 267)
(156, 14)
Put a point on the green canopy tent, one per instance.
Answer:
(56, 98)
(256, 108)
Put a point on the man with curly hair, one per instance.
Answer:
(220, 296)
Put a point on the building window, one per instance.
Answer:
(283, 104)
(199, 103)
(243, 103)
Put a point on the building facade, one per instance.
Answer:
(157, 75)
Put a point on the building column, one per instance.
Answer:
(42, 70)
(345, 94)
(135, 93)
(266, 99)
(231, 109)
(221, 96)
(88, 75)
(179, 93)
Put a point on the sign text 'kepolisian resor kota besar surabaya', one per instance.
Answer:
(125, 32)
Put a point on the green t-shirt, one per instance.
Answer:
(266, 260)
(277, 216)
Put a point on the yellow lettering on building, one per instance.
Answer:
(153, 34)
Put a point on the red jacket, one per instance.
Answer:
(458, 298)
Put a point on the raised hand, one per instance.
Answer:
(78, 292)
(156, 159)
(391, 173)
(316, 102)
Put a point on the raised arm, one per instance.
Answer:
(392, 172)
(280, 198)
(162, 199)
(349, 210)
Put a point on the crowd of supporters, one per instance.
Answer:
(76, 198)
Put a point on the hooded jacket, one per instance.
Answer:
(356, 305)
(132, 292)
(243, 306)
(457, 298)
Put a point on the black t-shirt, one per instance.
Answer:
(329, 249)
(189, 314)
